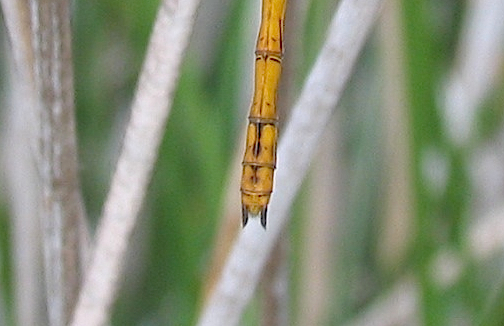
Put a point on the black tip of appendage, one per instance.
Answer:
(263, 217)
(244, 216)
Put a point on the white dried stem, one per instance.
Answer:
(479, 56)
(17, 21)
(348, 31)
(20, 176)
(21, 187)
(486, 235)
(150, 110)
(399, 306)
(275, 286)
(41, 45)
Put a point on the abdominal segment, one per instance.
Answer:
(258, 168)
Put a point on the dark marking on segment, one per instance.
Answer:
(253, 177)
(257, 144)
(276, 59)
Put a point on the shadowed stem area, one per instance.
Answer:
(62, 211)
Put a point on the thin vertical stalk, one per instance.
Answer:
(229, 226)
(150, 110)
(347, 33)
(476, 69)
(20, 171)
(398, 220)
(21, 186)
(47, 54)
(319, 255)
(275, 285)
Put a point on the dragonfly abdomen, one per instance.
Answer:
(260, 153)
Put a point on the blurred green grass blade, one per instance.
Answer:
(6, 266)
(493, 314)
(421, 77)
(440, 216)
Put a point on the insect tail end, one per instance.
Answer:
(244, 216)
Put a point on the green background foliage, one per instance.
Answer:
(172, 245)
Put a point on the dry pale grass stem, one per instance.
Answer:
(144, 132)
(321, 93)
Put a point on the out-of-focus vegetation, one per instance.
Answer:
(171, 248)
